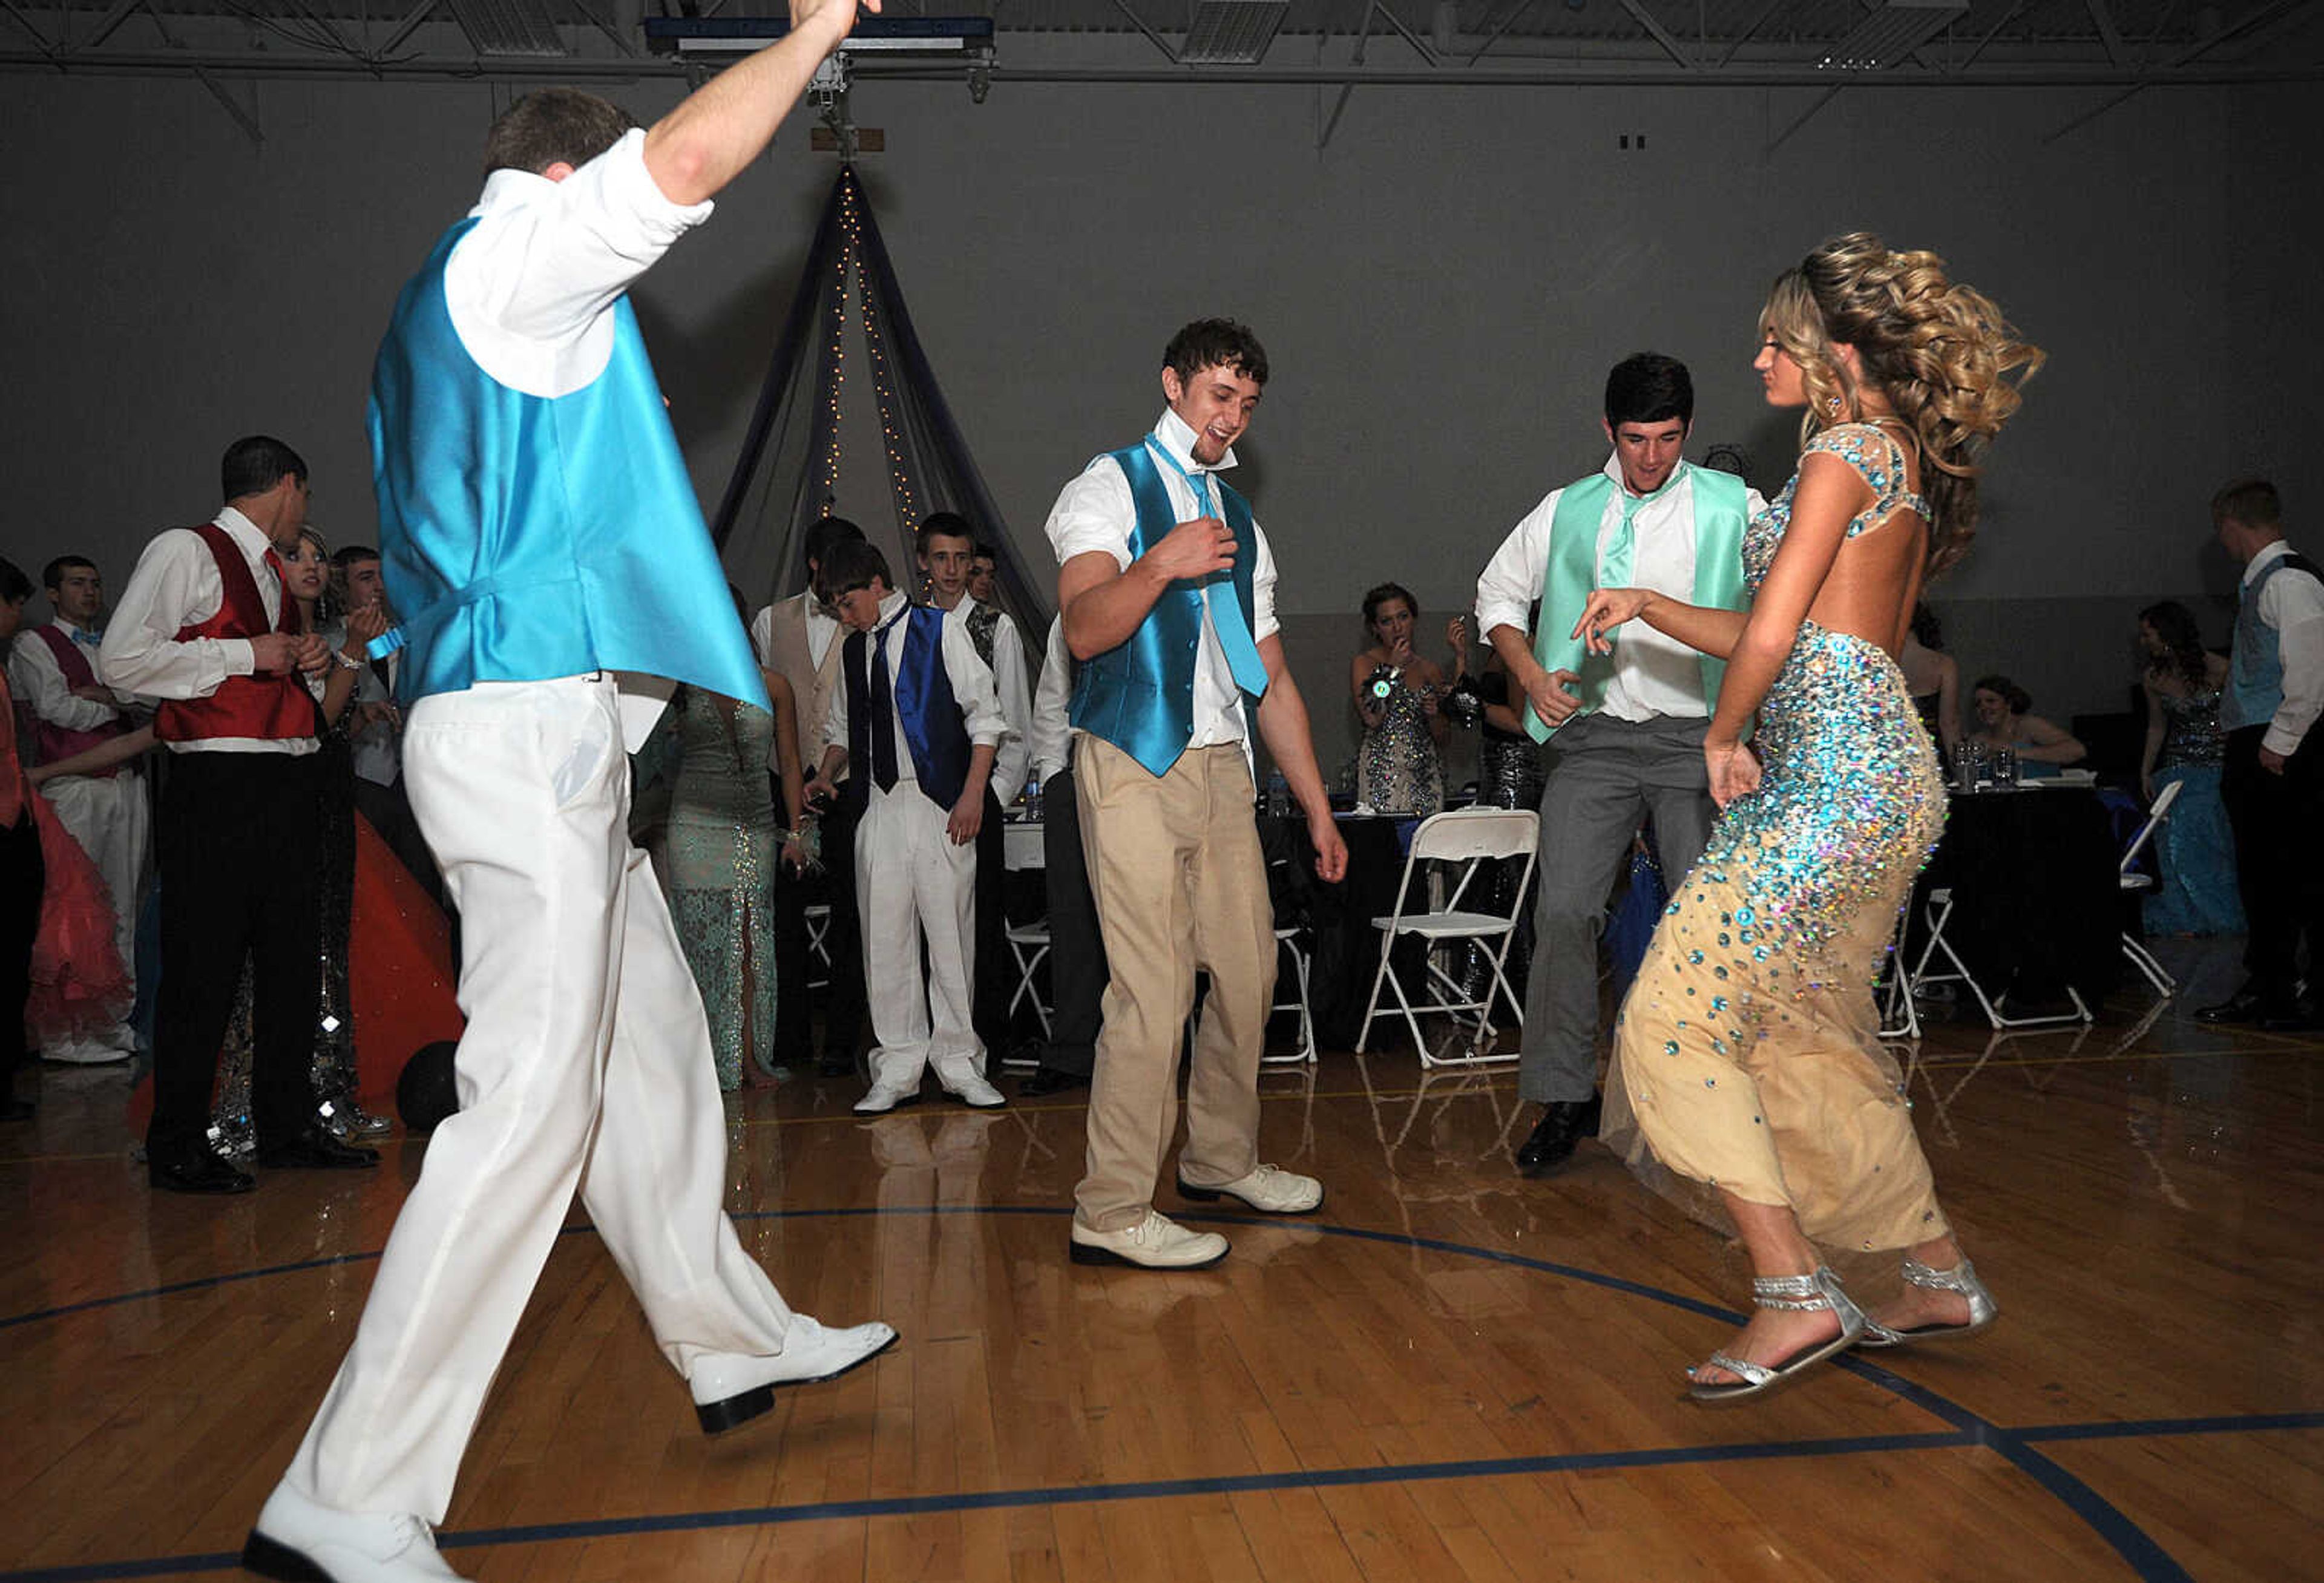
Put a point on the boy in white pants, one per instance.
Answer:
(919, 719)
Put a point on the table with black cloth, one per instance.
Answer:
(2037, 903)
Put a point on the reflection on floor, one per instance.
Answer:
(1450, 1373)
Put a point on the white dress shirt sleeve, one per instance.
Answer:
(175, 584)
(1263, 624)
(2293, 605)
(1094, 513)
(39, 682)
(1015, 697)
(530, 287)
(972, 687)
(834, 721)
(762, 637)
(1512, 578)
(1052, 727)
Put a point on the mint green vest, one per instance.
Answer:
(1721, 511)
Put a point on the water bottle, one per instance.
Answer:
(1033, 801)
(2004, 765)
(1278, 795)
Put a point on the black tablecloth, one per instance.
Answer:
(2036, 902)
(1346, 950)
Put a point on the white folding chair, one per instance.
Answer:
(818, 931)
(1899, 1018)
(1937, 913)
(1470, 837)
(2132, 884)
(1029, 943)
(1287, 943)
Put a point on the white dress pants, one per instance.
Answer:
(113, 820)
(586, 1062)
(912, 883)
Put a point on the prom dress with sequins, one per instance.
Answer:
(1746, 1058)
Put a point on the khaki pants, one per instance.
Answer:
(1181, 885)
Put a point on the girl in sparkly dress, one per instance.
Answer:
(2186, 747)
(1399, 768)
(1745, 1057)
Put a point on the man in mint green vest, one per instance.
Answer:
(2273, 777)
(1166, 590)
(1624, 731)
(540, 535)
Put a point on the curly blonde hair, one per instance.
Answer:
(1940, 352)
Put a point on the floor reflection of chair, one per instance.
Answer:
(2133, 884)
(1471, 838)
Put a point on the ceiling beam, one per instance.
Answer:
(2109, 34)
(1662, 34)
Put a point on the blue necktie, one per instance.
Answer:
(83, 635)
(883, 709)
(1227, 617)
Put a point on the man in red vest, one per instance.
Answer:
(204, 626)
(52, 669)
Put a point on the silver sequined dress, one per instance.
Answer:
(722, 856)
(1746, 1055)
(1397, 771)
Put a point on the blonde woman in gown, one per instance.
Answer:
(1745, 1056)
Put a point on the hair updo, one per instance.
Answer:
(1940, 352)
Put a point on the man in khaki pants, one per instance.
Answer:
(1167, 596)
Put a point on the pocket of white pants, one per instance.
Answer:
(593, 739)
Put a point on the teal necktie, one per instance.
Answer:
(1227, 617)
(1614, 565)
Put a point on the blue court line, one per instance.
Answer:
(2147, 1558)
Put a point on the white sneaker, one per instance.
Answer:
(1268, 1189)
(970, 1089)
(1154, 1243)
(730, 1389)
(296, 1539)
(885, 1097)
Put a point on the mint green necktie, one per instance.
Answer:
(1614, 565)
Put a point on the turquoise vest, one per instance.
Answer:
(1139, 695)
(528, 537)
(2255, 689)
(1721, 509)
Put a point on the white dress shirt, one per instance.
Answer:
(1652, 674)
(1010, 759)
(1097, 512)
(177, 585)
(34, 672)
(2294, 606)
(1051, 735)
(531, 286)
(972, 689)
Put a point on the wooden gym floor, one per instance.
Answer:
(1450, 1373)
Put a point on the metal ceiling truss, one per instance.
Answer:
(2124, 45)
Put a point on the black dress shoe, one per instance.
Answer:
(313, 1149)
(1564, 1124)
(2249, 1004)
(204, 1173)
(1050, 1080)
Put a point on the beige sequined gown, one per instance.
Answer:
(1745, 1056)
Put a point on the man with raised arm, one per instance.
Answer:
(541, 535)
(1166, 590)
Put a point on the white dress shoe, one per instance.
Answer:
(1154, 1243)
(296, 1540)
(83, 1053)
(885, 1097)
(970, 1089)
(1275, 1191)
(731, 1388)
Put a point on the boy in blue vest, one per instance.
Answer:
(915, 721)
(1166, 590)
(541, 535)
(1629, 727)
(2272, 780)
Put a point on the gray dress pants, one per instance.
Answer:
(1605, 775)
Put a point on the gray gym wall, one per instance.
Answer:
(1440, 290)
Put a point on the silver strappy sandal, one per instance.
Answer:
(1961, 1278)
(1799, 1295)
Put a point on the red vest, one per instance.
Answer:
(55, 741)
(262, 705)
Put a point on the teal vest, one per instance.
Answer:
(528, 537)
(2255, 689)
(1721, 509)
(1139, 695)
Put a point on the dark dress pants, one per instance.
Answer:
(1077, 974)
(2279, 825)
(23, 875)
(241, 860)
(992, 978)
(842, 1016)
